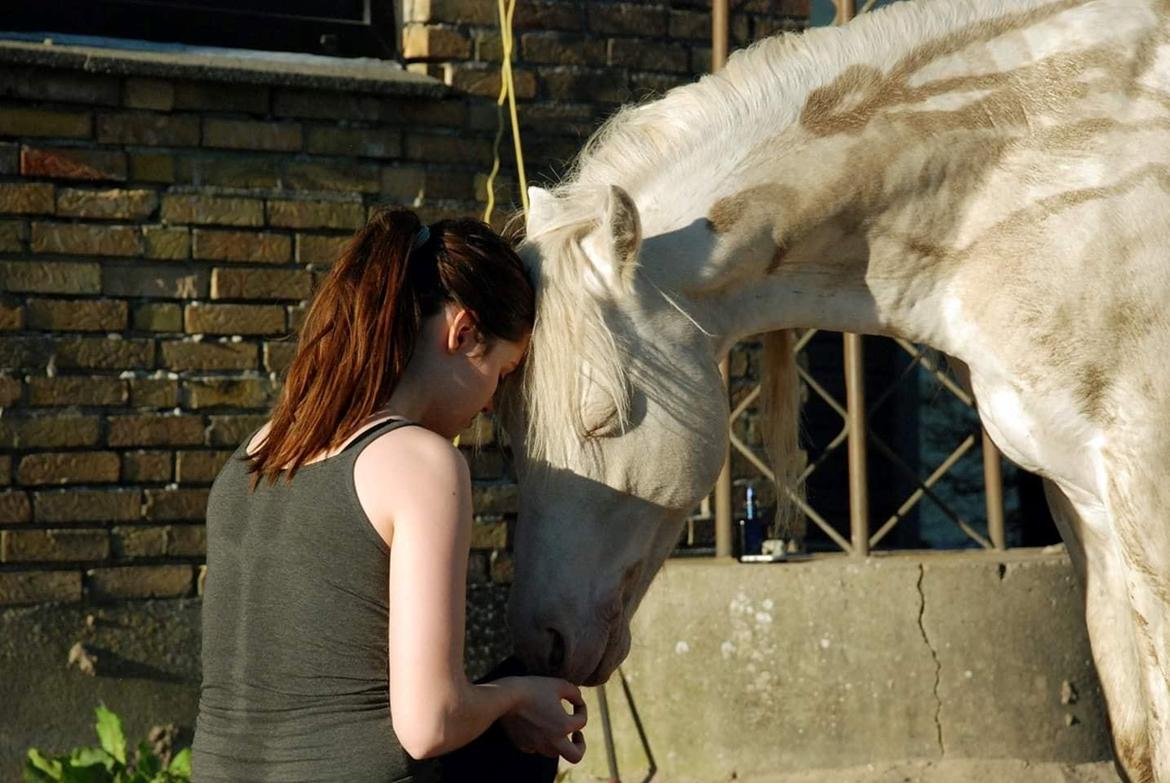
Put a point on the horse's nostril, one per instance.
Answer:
(556, 652)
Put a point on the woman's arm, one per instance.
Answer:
(427, 496)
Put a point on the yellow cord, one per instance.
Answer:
(507, 94)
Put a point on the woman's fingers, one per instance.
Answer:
(576, 721)
(572, 749)
(572, 694)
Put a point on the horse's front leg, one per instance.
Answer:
(1114, 634)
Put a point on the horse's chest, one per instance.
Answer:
(1042, 433)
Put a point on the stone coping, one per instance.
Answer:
(137, 58)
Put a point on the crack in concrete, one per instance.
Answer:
(937, 663)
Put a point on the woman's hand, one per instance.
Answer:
(539, 723)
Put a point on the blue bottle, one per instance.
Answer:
(751, 526)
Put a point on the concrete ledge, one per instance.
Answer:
(147, 668)
(751, 670)
(913, 662)
(225, 65)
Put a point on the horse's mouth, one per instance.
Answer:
(616, 648)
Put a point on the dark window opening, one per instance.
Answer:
(343, 28)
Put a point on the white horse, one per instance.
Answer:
(988, 177)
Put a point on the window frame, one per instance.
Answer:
(376, 35)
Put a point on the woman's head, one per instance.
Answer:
(452, 298)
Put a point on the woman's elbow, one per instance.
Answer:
(421, 739)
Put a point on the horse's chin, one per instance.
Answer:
(615, 652)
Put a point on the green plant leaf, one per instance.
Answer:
(92, 773)
(109, 730)
(87, 756)
(181, 764)
(148, 764)
(38, 768)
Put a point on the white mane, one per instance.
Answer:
(716, 134)
(717, 131)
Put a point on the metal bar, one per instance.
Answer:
(719, 14)
(811, 467)
(823, 393)
(855, 405)
(820, 522)
(723, 488)
(803, 340)
(745, 403)
(858, 479)
(638, 726)
(746, 452)
(607, 734)
(993, 492)
(906, 470)
(937, 372)
(920, 493)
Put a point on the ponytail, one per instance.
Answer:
(363, 323)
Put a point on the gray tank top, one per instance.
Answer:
(295, 623)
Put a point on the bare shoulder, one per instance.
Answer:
(413, 452)
(405, 467)
(258, 438)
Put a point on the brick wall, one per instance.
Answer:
(160, 238)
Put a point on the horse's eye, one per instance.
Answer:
(601, 423)
(599, 413)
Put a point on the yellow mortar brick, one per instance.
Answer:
(422, 41)
(37, 587)
(87, 505)
(26, 198)
(167, 581)
(77, 315)
(256, 247)
(71, 467)
(87, 240)
(149, 94)
(183, 355)
(77, 390)
(154, 393)
(43, 122)
(106, 204)
(234, 319)
(170, 243)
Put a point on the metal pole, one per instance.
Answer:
(719, 15)
(858, 478)
(723, 489)
(993, 491)
(855, 405)
(607, 733)
(723, 539)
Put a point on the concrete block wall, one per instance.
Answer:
(752, 672)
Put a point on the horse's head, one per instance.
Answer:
(618, 425)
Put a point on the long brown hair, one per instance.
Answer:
(361, 328)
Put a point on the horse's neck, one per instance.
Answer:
(860, 215)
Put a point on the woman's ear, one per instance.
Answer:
(463, 333)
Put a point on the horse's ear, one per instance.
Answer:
(540, 210)
(625, 232)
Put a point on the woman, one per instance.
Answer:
(338, 534)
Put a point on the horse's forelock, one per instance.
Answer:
(570, 331)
